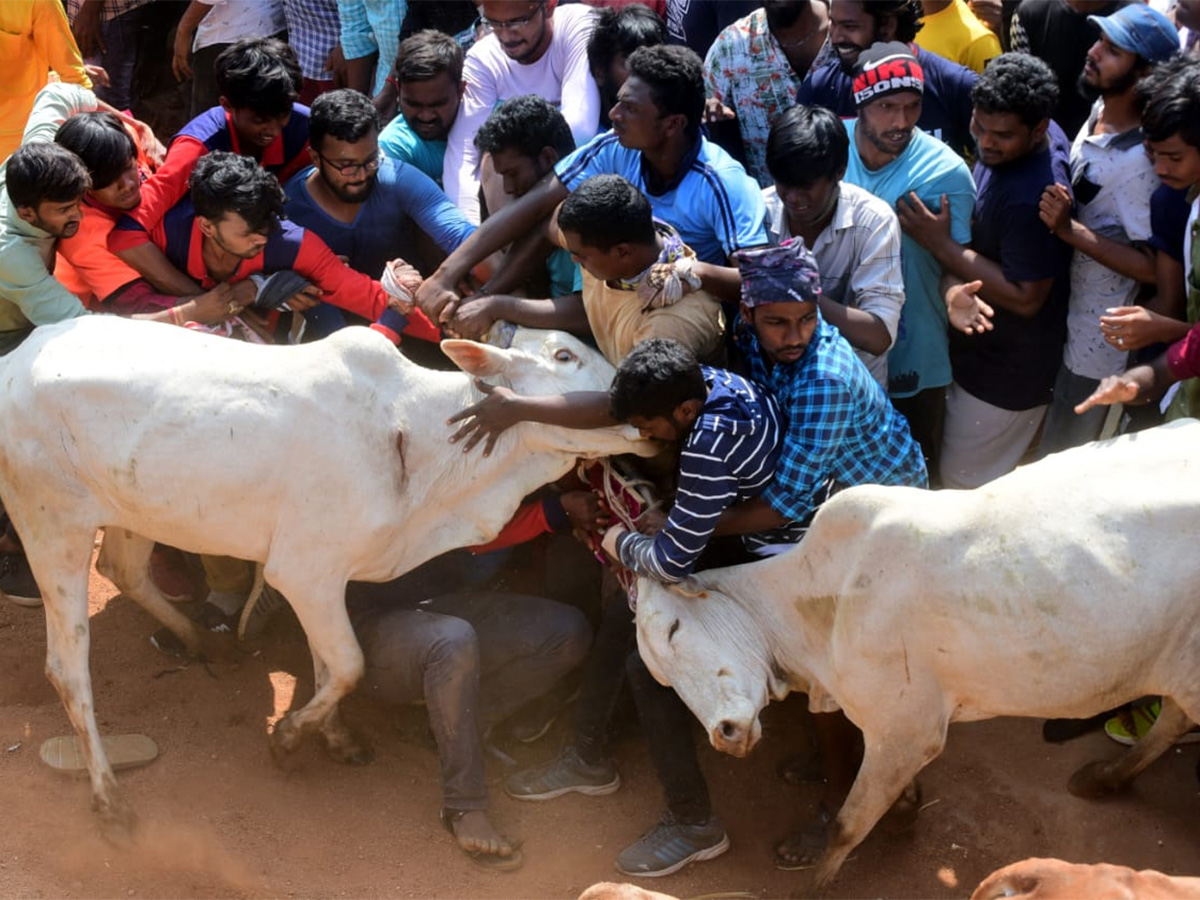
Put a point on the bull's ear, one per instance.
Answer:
(476, 359)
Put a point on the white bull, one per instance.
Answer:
(1061, 590)
(326, 463)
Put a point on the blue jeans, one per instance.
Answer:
(121, 38)
(475, 658)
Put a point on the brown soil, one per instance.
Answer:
(219, 820)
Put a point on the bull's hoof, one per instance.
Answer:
(348, 749)
(118, 821)
(284, 740)
(1094, 782)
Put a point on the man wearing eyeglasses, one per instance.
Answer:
(360, 204)
(532, 48)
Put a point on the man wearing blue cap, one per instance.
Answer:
(1113, 182)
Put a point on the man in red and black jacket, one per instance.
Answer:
(229, 229)
(258, 118)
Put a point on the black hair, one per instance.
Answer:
(229, 182)
(45, 173)
(907, 14)
(676, 80)
(607, 210)
(1170, 98)
(807, 143)
(427, 54)
(1020, 84)
(526, 124)
(261, 74)
(101, 141)
(656, 377)
(620, 32)
(344, 115)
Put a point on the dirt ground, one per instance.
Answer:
(219, 820)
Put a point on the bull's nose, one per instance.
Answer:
(731, 737)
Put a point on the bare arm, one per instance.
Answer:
(1135, 262)
(1161, 320)
(497, 232)
(500, 409)
(153, 265)
(1139, 385)
(862, 329)
(474, 316)
(722, 282)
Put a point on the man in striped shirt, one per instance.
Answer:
(729, 430)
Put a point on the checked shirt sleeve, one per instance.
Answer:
(820, 415)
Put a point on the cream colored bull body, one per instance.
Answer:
(1061, 590)
(326, 463)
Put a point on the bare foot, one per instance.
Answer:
(476, 834)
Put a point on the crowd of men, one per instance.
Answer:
(823, 243)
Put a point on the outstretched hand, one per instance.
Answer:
(967, 312)
(498, 411)
(1112, 390)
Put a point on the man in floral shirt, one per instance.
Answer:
(756, 65)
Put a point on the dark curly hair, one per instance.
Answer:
(656, 377)
(1170, 100)
(228, 182)
(526, 124)
(607, 210)
(344, 115)
(1017, 83)
(676, 80)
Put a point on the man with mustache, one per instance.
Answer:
(1113, 182)
(533, 48)
(891, 157)
(755, 67)
(853, 27)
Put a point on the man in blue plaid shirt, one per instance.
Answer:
(842, 429)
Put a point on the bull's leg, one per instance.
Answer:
(125, 561)
(1100, 779)
(895, 751)
(60, 564)
(340, 743)
(320, 605)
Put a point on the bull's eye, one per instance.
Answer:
(564, 355)
(671, 631)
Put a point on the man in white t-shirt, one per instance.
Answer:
(1113, 180)
(532, 48)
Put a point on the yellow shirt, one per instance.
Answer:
(618, 323)
(35, 37)
(959, 36)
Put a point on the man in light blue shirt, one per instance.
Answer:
(892, 158)
(429, 74)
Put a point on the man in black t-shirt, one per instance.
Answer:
(1015, 274)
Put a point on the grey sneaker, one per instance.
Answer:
(17, 582)
(670, 845)
(565, 774)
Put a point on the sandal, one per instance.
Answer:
(493, 862)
